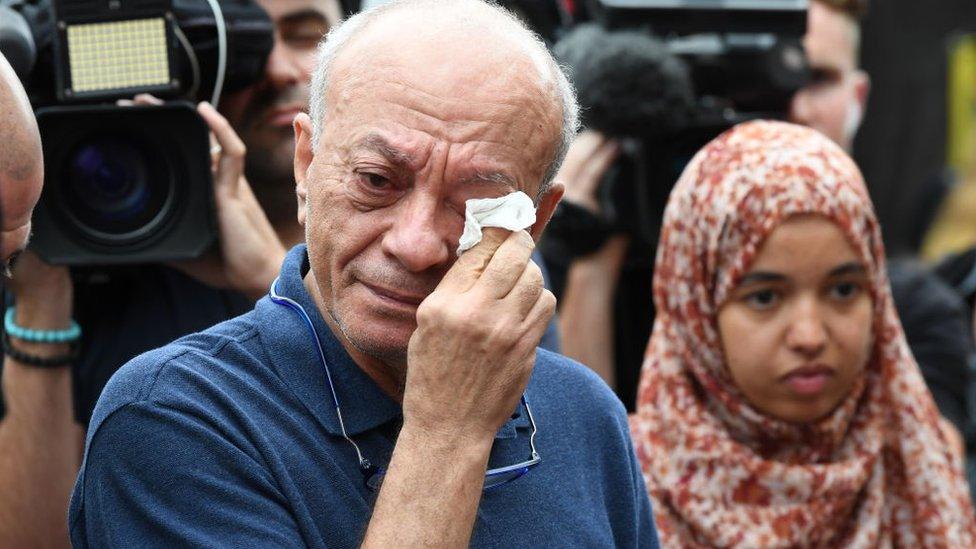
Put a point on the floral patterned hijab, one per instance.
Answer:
(877, 471)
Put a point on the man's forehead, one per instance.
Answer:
(278, 9)
(830, 40)
(483, 170)
(446, 71)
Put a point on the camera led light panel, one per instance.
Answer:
(118, 55)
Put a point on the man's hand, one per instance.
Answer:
(587, 160)
(39, 439)
(42, 293)
(472, 353)
(250, 252)
(467, 365)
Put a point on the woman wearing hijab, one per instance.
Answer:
(779, 405)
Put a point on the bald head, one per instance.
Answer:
(458, 42)
(21, 163)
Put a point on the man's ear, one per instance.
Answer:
(303, 159)
(862, 88)
(547, 205)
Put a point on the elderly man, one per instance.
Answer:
(374, 397)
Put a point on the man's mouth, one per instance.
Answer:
(395, 297)
(283, 116)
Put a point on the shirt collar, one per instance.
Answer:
(294, 356)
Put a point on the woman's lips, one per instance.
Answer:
(808, 380)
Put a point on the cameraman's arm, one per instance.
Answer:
(586, 308)
(249, 253)
(586, 322)
(39, 439)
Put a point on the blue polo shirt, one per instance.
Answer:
(229, 437)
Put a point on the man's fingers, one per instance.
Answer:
(147, 99)
(229, 150)
(527, 290)
(468, 268)
(506, 265)
(537, 320)
(600, 161)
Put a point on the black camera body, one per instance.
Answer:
(129, 184)
(126, 192)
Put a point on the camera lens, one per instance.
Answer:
(112, 190)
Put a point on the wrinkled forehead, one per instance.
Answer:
(455, 65)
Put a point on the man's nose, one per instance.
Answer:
(283, 68)
(418, 238)
(807, 333)
(800, 112)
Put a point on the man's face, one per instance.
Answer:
(17, 200)
(833, 100)
(410, 134)
(262, 114)
(21, 165)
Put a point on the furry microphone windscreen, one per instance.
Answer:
(628, 84)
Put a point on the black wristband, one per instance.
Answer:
(39, 361)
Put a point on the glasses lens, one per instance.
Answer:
(495, 480)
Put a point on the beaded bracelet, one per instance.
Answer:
(41, 361)
(39, 336)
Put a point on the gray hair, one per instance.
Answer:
(549, 69)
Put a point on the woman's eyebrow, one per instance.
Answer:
(757, 277)
(852, 267)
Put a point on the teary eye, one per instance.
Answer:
(376, 181)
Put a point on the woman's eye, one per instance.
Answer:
(845, 290)
(761, 300)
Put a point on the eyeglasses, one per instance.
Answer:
(372, 475)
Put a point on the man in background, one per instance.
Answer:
(130, 310)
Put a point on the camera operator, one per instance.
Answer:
(833, 102)
(39, 441)
(139, 308)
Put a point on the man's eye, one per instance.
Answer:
(8, 267)
(376, 181)
(762, 299)
(822, 77)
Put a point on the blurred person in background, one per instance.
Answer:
(779, 403)
(130, 310)
(833, 102)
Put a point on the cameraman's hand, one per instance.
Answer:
(474, 348)
(588, 158)
(250, 252)
(43, 293)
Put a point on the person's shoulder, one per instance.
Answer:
(181, 369)
(574, 389)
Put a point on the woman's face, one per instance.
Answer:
(796, 331)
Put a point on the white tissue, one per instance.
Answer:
(513, 211)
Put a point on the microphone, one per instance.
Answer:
(628, 83)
